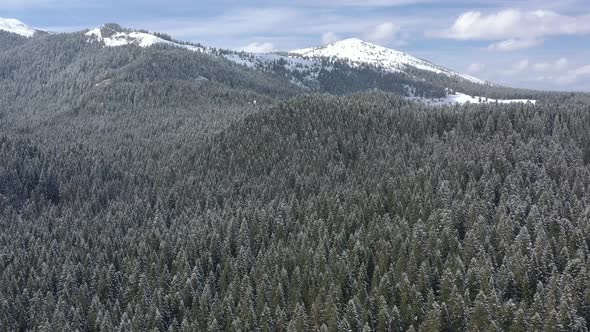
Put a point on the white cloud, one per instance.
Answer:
(546, 69)
(364, 3)
(286, 27)
(36, 4)
(475, 68)
(329, 37)
(522, 65)
(561, 64)
(258, 48)
(382, 33)
(237, 22)
(557, 66)
(515, 44)
(518, 29)
(16, 4)
(518, 67)
(544, 66)
(574, 75)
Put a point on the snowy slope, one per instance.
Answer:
(255, 60)
(16, 26)
(308, 68)
(359, 52)
(461, 98)
(115, 38)
(303, 67)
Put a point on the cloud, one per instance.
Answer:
(258, 48)
(561, 64)
(515, 44)
(522, 65)
(285, 27)
(558, 65)
(574, 75)
(329, 37)
(518, 67)
(364, 3)
(382, 33)
(18, 4)
(36, 4)
(515, 29)
(237, 22)
(475, 68)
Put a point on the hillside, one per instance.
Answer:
(16, 27)
(67, 73)
(147, 184)
(317, 213)
(343, 67)
(359, 52)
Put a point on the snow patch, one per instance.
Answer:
(359, 52)
(16, 26)
(461, 98)
(141, 39)
(244, 61)
(253, 60)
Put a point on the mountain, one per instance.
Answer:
(354, 65)
(340, 68)
(77, 73)
(357, 52)
(148, 187)
(114, 35)
(343, 67)
(16, 26)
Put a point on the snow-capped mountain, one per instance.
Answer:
(359, 52)
(16, 26)
(113, 37)
(343, 67)
(303, 72)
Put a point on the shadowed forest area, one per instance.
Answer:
(159, 197)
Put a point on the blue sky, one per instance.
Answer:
(533, 44)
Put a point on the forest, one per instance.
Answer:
(176, 191)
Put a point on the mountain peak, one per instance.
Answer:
(113, 35)
(352, 40)
(359, 52)
(16, 26)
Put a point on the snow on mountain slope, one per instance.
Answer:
(359, 52)
(309, 68)
(461, 98)
(113, 38)
(254, 60)
(16, 26)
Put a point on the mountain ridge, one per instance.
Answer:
(113, 35)
(16, 26)
(357, 50)
(343, 67)
(353, 50)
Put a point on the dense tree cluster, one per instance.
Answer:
(320, 213)
(339, 77)
(65, 73)
(199, 210)
(10, 40)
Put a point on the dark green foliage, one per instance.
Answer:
(65, 73)
(343, 79)
(320, 213)
(136, 197)
(10, 40)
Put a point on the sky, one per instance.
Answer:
(536, 44)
